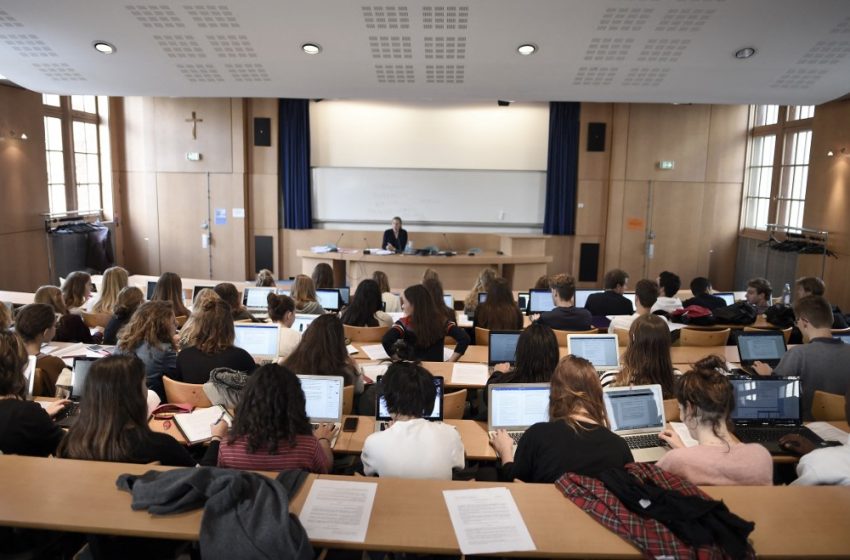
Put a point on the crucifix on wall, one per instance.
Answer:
(194, 120)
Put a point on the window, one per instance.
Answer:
(778, 165)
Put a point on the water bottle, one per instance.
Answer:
(786, 294)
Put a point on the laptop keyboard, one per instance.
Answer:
(766, 434)
(72, 409)
(643, 441)
(514, 436)
(337, 427)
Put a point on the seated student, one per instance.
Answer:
(303, 293)
(169, 287)
(114, 280)
(151, 335)
(36, 324)
(430, 274)
(424, 328)
(392, 302)
(706, 400)
(230, 295)
(212, 346)
(646, 360)
(482, 284)
(412, 447)
(271, 431)
(323, 276)
(611, 301)
(322, 352)
(646, 293)
(70, 327)
(76, 292)
(812, 286)
(669, 286)
(265, 279)
(701, 288)
(823, 364)
(129, 299)
(537, 355)
(565, 316)
(282, 311)
(366, 308)
(500, 312)
(542, 283)
(395, 238)
(575, 439)
(758, 294)
(189, 331)
(25, 427)
(435, 288)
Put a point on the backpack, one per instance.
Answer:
(739, 313)
(225, 386)
(693, 315)
(780, 315)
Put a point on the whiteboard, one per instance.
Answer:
(429, 196)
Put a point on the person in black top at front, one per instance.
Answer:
(611, 301)
(129, 299)
(575, 439)
(565, 316)
(395, 238)
(701, 288)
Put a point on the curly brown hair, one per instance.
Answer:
(153, 323)
(214, 329)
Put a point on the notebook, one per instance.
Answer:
(767, 347)
(540, 301)
(522, 301)
(328, 298)
(258, 339)
(516, 406)
(636, 414)
(302, 321)
(582, 295)
(323, 395)
(502, 347)
(196, 426)
(256, 299)
(601, 350)
(382, 414)
(79, 374)
(728, 297)
(449, 300)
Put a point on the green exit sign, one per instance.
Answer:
(666, 164)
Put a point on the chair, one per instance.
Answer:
(347, 399)
(482, 336)
(181, 320)
(454, 404)
(188, 393)
(562, 335)
(827, 407)
(838, 332)
(700, 337)
(93, 320)
(364, 334)
(623, 338)
(671, 410)
(786, 333)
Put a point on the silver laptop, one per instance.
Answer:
(256, 299)
(302, 321)
(382, 413)
(582, 295)
(601, 350)
(329, 299)
(515, 407)
(323, 395)
(636, 414)
(258, 339)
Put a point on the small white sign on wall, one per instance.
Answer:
(239, 213)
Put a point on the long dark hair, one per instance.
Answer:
(428, 324)
(322, 350)
(537, 355)
(364, 304)
(272, 409)
(13, 359)
(435, 288)
(500, 312)
(323, 276)
(647, 359)
(169, 287)
(34, 319)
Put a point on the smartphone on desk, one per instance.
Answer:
(350, 424)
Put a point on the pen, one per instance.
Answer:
(223, 412)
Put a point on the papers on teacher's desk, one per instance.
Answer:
(469, 374)
(487, 521)
(375, 352)
(337, 510)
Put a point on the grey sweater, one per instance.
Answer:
(822, 365)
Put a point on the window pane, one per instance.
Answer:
(56, 196)
(55, 168)
(53, 133)
(763, 148)
(797, 112)
(81, 168)
(84, 103)
(49, 99)
(766, 114)
(92, 165)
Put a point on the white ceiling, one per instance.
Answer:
(590, 50)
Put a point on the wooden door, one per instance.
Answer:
(183, 209)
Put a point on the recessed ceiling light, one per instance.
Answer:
(745, 53)
(527, 49)
(311, 48)
(104, 47)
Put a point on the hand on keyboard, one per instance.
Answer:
(325, 430)
(503, 444)
(56, 407)
(671, 438)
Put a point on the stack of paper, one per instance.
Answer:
(470, 374)
(338, 510)
(487, 521)
(375, 352)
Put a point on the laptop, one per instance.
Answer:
(382, 414)
(283, 292)
(636, 414)
(302, 321)
(728, 297)
(766, 409)
(196, 290)
(601, 350)
(845, 338)
(256, 299)
(79, 374)
(449, 300)
(631, 297)
(329, 299)
(345, 295)
(258, 339)
(482, 297)
(515, 407)
(767, 347)
(582, 295)
(323, 395)
(501, 347)
(540, 301)
(522, 301)
(151, 289)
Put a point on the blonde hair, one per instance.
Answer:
(74, 289)
(303, 290)
(190, 328)
(115, 279)
(52, 296)
(265, 278)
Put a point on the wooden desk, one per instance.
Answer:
(17, 298)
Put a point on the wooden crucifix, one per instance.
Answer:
(194, 120)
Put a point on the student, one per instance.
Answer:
(212, 346)
(424, 328)
(25, 427)
(706, 401)
(823, 364)
(76, 291)
(366, 308)
(304, 294)
(565, 316)
(115, 279)
(500, 312)
(188, 333)
(169, 287)
(323, 276)
(282, 311)
(812, 286)
(669, 286)
(36, 324)
(129, 299)
(701, 288)
(70, 327)
(542, 283)
(435, 288)
(646, 293)
(482, 284)
(266, 279)
(611, 301)
(758, 294)
(575, 439)
(430, 274)
(151, 335)
(322, 351)
(392, 302)
(412, 447)
(230, 295)
(647, 358)
(395, 238)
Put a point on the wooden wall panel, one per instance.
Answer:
(619, 143)
(722, 231)
(615, 225)
(174, 135)
(139, 136)
(140, 222)
(591, 206)
(633, 239)
(594, 165)
(263, 159)
(24, 261)
(229, 240)
(727, 144)
(264, 201)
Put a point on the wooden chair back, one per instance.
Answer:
(622, 336)
(454, 405)
(93, 320)
(671, 410)
(703, 337)
(827, 407)
(347, 399)
(786, 333)
(188, 393)
(482, 336)
(837, 332)
(562, 335)
(365, 334)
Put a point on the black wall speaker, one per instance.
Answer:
(263, 252)
(262, 131)
(596, 137)
(588, 262)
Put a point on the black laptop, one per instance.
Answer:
(79, 374)
(501, 347)
(767, 347)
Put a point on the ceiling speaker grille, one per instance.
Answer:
(386, 17)
(28, 46)
(180, 46)
(444, 73)
(232, 46)
(624, 19)
(445, 17)
(798, 78)
(663, 50)
(200, 73)
(608, 49)
(445, 48)
(156, 16)
(395, 73)
(594, 76)
(684, 20)
(826, 52)
(59, 71)
(8, 21)
(384, 46)
(842, 28)
(645, 77)
(206, 16)
(248, 72)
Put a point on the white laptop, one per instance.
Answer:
(258, 339)
(515, 407)
(582, 295)
(323, 395)
(302, 321)
(631, 297)
(540, 301)
(601, 350)
(256, 299)
(636, 414)
(727, 297)
(329, 299)
(382, 413)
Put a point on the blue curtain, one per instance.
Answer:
(294, 163)
(562, 169)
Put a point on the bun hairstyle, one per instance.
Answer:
(279, 306)
(709, 396)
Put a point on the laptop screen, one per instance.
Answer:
(845, 338)
(522, 301)
(258, 339)
(631, 297)
(151, 289)
(328, 299)
(256, 298)
(29, 373)
(582, 295)
(79, 375)
(640, 407)
(323, 394)
(383, 413)
(502, 347)
(516, 406)
(728, 297)
(769, 399)
(763, 347)
(302, 321)
(540, 301)
(601, 350)
(345, 295)
(482, 297)
(449, 300)
(197, 289)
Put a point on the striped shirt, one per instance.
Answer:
(307, 454)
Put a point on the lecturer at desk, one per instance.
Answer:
(395, 238)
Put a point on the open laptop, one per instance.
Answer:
(482, 297)
(382, 414)
(728, 297)
(631, 297)
(601, 350)
(302, 321)
(79, 374)
(767, 347)
(29, 375)
(197, 289)
(323, 395)
(258, 339)
(636, 414)
(449, 300)
(345, 295)
(329, 299)
(582, 295)
(522, 301)
(516, 406)
(151, 289)
(501, 347)
(540, 301)
(256, 299)
(766, 409)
